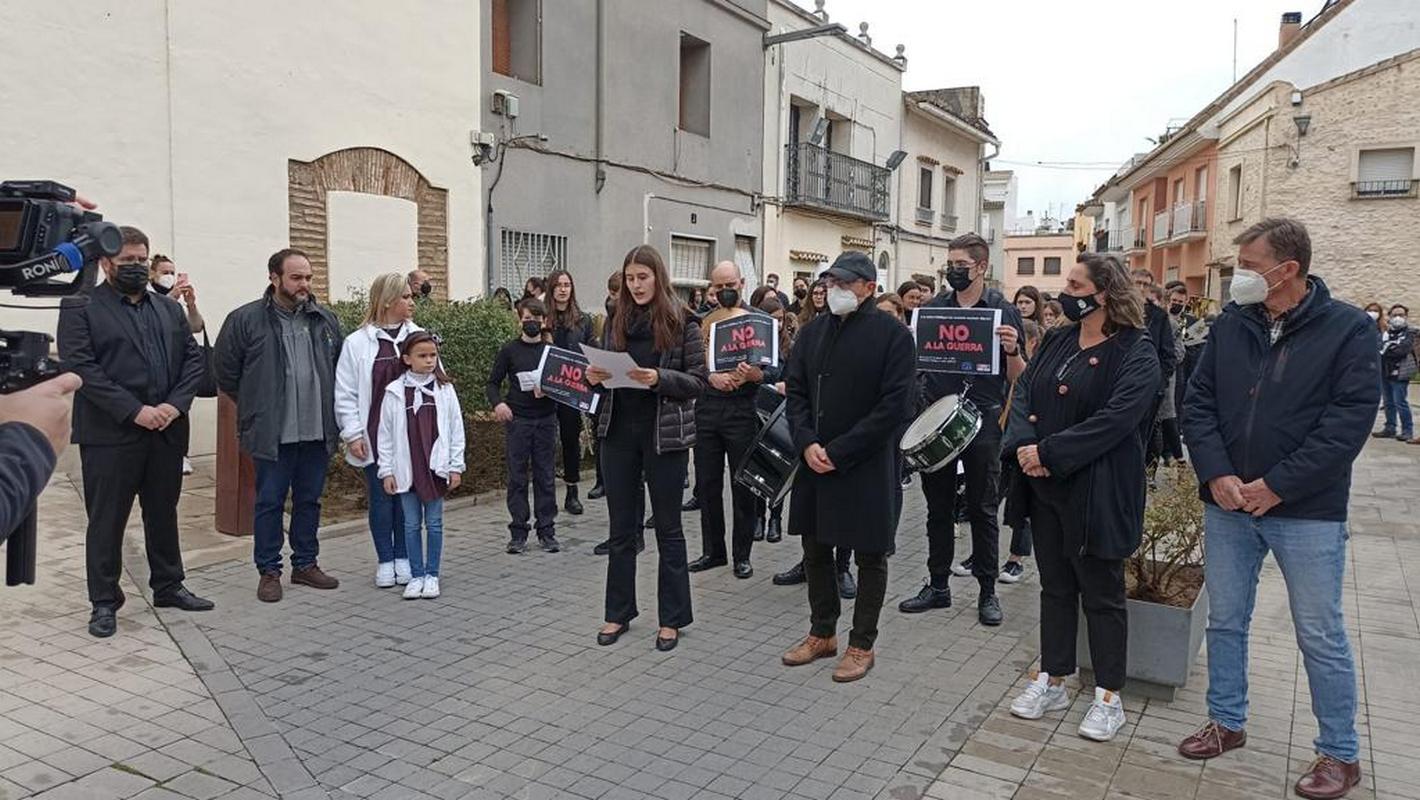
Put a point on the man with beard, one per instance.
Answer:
(276, 357)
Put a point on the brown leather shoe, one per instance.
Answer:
(1328, 778)
(269, 590)
(1211, 741)
(810, 650)
(313, 577)
(1416, 440)
(855, 664)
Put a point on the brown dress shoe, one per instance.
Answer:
(313, 577)
(1416, 440)
(855, 664)
(810, 650)
(269, 590)
(1328, 778)
(1211, 741)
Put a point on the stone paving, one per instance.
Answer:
(497, 689)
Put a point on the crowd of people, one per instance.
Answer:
(1097, 384)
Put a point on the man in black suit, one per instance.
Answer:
(140, 366)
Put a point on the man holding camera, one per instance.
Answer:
(140, 368)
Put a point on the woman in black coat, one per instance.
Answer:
(571, 328)
(1075, 448)
(646, 434)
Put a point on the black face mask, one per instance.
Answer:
(425, 289)
(532, 328)
(728, 298)
(161, 289)
(1175, 308)
(801, 293)
(1075, 307)
(959, 278)
(131, 278)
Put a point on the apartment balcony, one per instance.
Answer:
(1189, 222)
(1112, 240)
(1140, 245)
(925, 216)
(839, 184)
(1162, 232)
(949, 223)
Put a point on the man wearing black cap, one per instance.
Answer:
(849, 387)
(967, 265)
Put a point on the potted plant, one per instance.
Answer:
(1167, 604)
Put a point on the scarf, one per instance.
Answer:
(423, 386)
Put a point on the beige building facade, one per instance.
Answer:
(1041, 260)
(1352, 177)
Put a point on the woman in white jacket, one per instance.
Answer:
(369, 362)
(421, 455)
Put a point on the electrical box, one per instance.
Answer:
(505, 103)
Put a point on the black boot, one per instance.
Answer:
(602, 549)
(573, 505)
(775, 532)
(693, 504)
(794, 575)
(758, 530)
(598, 492)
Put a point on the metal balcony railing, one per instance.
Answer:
(925, 216)
(828, 181)
(949, 223)
(1141, 239)
(1397, 188)
(1112, 240)
(1161, 228)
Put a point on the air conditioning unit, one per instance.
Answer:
(505, 103)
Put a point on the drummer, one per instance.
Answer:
(967, 266)
(725, 423)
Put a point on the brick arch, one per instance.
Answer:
(368, 170)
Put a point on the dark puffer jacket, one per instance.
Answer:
(682, 380)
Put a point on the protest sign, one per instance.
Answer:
(959, 340)
(749, 338)
(563, 377)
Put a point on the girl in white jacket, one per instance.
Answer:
(421, 447)
(370, 362)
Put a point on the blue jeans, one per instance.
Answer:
(1312, 556)
(431, 515)
(386, 516)
(1397, 404)
(298, 471)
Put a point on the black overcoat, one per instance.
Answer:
(849, 386)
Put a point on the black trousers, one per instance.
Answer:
(629, 463)
(150, 470)
(1173, 442)
(1067, 583)
(820, 570)
(531, 442)
(982, 460)
(569, 432)
(1021, 540)
(724, 429)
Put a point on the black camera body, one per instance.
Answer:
(44, 235)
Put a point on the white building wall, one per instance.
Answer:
(922, 248)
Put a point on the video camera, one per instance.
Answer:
(44, 236)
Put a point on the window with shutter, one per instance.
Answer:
(691, 260)
(744, 259)
(1025, 265)
(1388, 172)
(1051, 266)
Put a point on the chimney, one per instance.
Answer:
(1291, 26)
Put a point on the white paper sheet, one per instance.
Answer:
(618, 364)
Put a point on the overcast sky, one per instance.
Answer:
(1081, 82)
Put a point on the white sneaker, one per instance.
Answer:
(1040, 698)
(415, 589)
(1105, 717)
(384, 574)
(431, 587)
(186, 465)
(402, 572)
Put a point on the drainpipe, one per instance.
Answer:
(646, 217)
(981, 198)
(599, 168)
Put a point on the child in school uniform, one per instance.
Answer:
(421, 455)
(531, 420)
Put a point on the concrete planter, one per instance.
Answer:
(1163, 643)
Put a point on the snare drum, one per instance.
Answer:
(768, 469)
(940, 433)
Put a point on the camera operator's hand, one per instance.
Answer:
(151, 418)
(46, 407)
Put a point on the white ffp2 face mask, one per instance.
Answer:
(167, 281)
(1249, 286)
(841, 301)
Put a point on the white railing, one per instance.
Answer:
(925, 215)
(1161, 227)
(1182, 218)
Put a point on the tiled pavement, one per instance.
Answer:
(497, 689)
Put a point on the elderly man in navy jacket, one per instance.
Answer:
(1280, 405)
